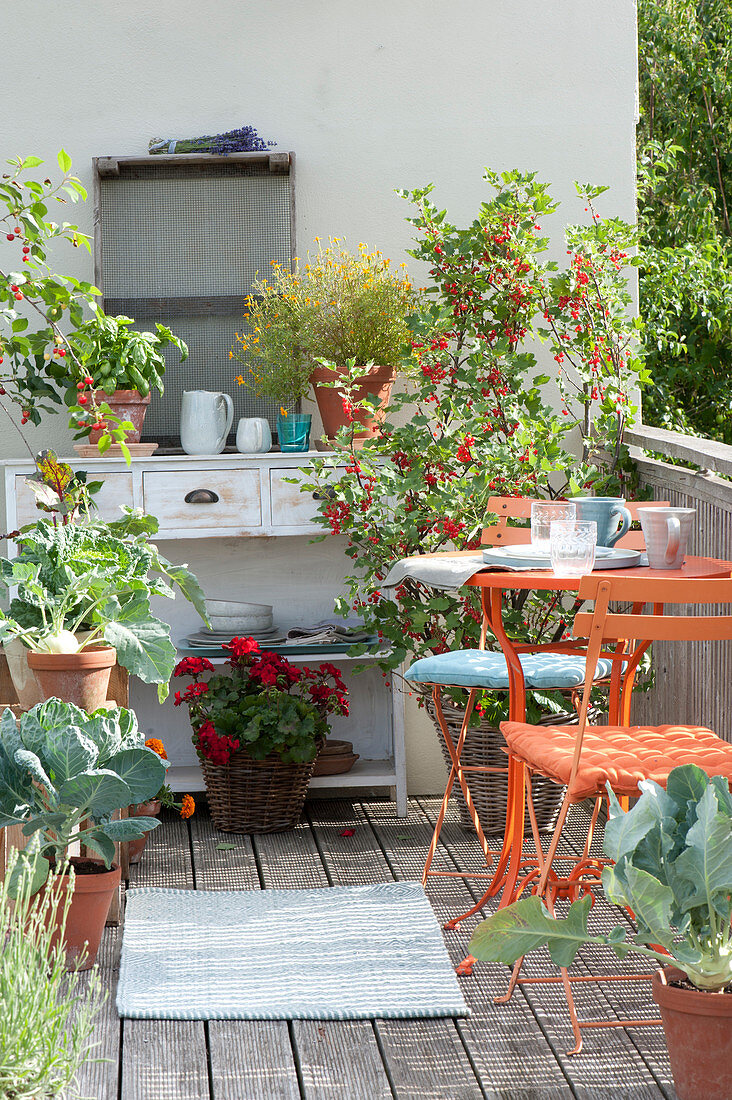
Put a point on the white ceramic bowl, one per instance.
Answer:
(233, 624)
(241, 610)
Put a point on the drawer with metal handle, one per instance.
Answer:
(202, 498)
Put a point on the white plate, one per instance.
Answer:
(530, 557)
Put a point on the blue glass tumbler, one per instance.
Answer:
(293, 431)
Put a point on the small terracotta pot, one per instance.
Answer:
(698, 1028)
(378, 381)
(81, 678)
(127, 405)
(88, 910)
(135, 848)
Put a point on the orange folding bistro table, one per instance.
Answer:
(507, 863)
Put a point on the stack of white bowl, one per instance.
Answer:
(239, 620)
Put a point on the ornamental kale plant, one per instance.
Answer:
(64, 773)
(263, 706)
(472, 420)
(672, 866)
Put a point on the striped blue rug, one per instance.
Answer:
(339, 953)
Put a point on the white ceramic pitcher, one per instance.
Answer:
(253, 435)
(205, 421)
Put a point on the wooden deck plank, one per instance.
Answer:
(166, 860)
(340, 1059)
(634, 1061)
(249, 1058)
(291, 860)
(98, 1078)
(252, 1060)
(164, 1060)
(496, 1042)
(229, 869)
(426, 1055)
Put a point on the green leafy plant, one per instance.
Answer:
(335, 307)
(63, 773)
(472, 420)
(264, 705)
(684, 181)
(85, 583)
(48, 1013)
(60, 491)
(40, 309)
(119, 357)
(672, 867)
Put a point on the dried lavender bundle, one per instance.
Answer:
(244, 140)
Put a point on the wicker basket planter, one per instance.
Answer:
(484, 746)
(256, 796)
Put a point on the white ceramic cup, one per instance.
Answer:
(666, 531)
(253, 435)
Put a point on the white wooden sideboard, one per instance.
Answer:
(227, 516)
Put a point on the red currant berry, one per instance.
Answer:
(83, 399)
(10, 237)
(19, 297)
(80, 385)
(60, 352)
(2, 391)
(26, 248)
(89, 381)
(17, 231)
(14, 288)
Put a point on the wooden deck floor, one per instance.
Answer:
(516, 1050)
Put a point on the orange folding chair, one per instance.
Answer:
(585, 759)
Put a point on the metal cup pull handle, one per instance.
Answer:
(201, 496)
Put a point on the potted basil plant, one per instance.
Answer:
(672, 866)
(83, 602)
(63, 774)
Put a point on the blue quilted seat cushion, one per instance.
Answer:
(479, 668)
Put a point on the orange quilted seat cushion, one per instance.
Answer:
(618, 755)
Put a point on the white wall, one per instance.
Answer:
(370, 96)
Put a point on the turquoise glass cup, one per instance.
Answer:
(293, 431)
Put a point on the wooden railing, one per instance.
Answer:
(693, 682)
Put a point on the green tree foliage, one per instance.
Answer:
(684, 196)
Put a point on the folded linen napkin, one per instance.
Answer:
(445, 570)
(327, 630)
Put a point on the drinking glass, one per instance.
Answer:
(543, 512)
(293, 431)
(572, 547)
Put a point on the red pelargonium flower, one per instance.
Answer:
(241, 647)
(192, 666)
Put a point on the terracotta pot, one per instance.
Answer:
(81, 678)
(378, 382)
(135, 848)
(26, 686)
(87, 916)
(127, 405)
(698, 1028)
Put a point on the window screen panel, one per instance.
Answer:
(182, 244)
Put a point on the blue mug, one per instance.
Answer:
(605, 512)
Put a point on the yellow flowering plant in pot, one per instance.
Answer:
(304, 325)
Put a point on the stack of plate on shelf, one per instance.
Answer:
(236, 620)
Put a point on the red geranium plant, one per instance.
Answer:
(263, 705)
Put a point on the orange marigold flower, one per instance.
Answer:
(157, 746)
(187, 806)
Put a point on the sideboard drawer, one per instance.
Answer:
(235, 498)
(115, 492)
